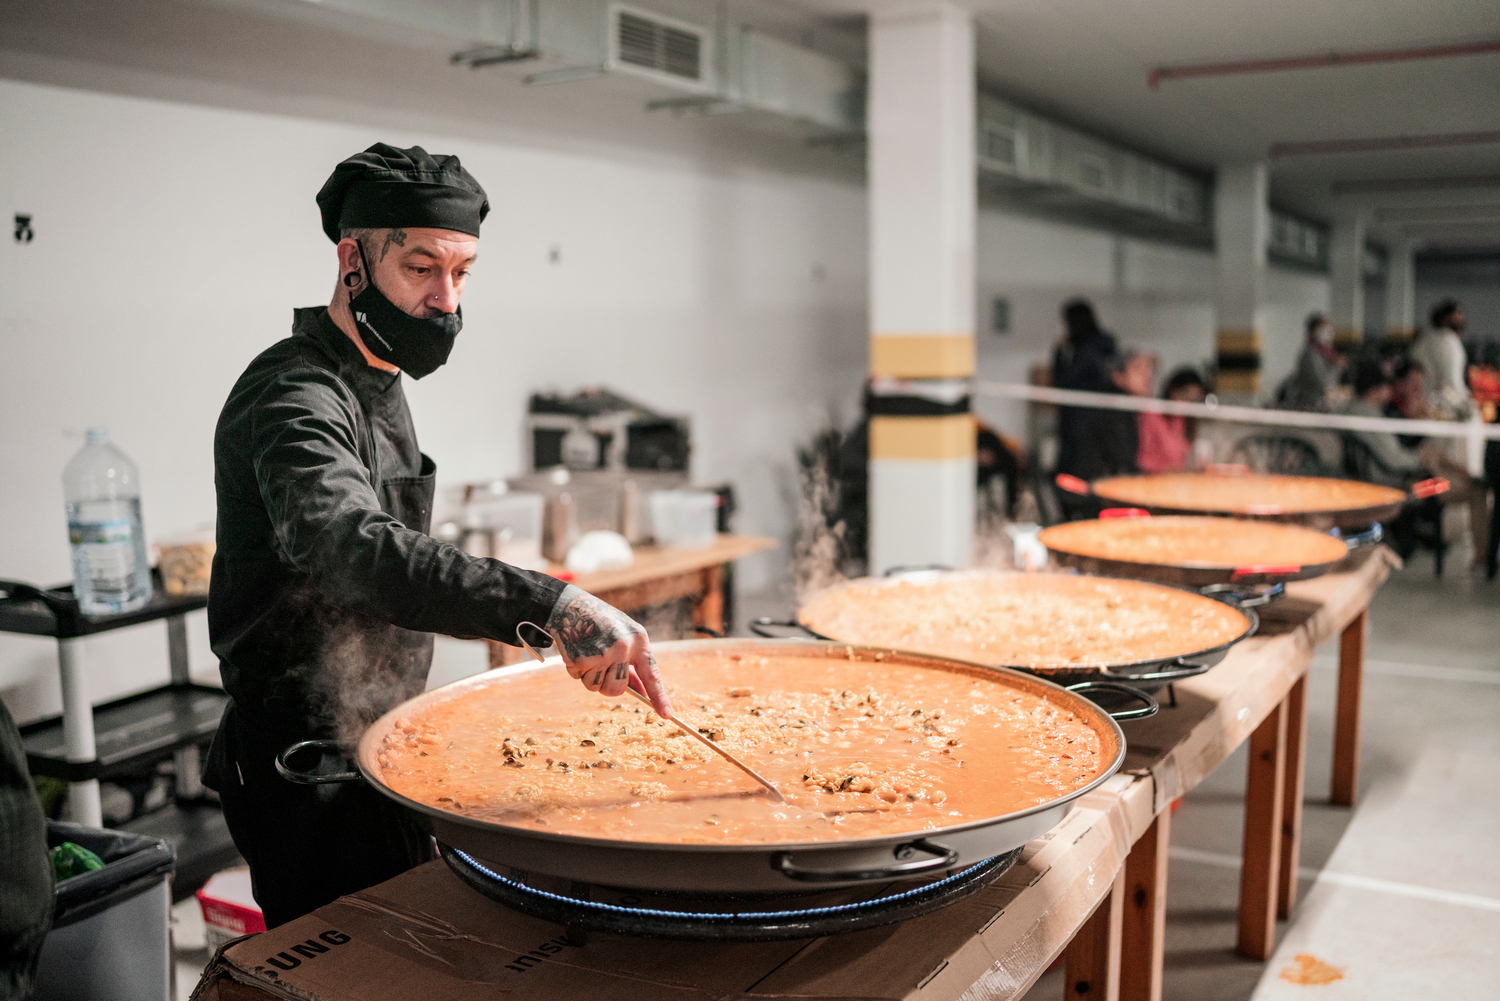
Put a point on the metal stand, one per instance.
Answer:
(34, 611)
(78, 731)
(186, 760)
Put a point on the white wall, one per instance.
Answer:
(1154, 296)
(172, 242)
(173, 239)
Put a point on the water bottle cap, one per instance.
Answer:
(96, 436)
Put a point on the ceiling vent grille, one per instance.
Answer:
(648, 43)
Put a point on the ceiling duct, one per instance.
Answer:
(1042, 162)
(669, 51)
(723, 68)
(786, 79)
(1297, 242)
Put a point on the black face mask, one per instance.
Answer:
(416, 346)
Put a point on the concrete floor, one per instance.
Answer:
(1400, 895)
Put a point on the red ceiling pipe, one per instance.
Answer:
(1161, 73)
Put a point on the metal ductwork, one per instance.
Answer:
(684, 67)
(1043, 162)
(1297, 242)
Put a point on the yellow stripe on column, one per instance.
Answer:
(947, 437)
(1237, 382)
(1238, 342)
(922, 356)
(1348, 337)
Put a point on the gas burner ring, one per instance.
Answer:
(581, 916)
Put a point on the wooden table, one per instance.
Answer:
(659, 575)
(1092, 889)
(1257, 693)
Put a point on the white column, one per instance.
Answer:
(1346, 279)
(1242, 230)
(1401, 291)
(922, 207)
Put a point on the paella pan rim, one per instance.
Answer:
(1189, 572)
(1351, 517)
(369, 745)
(1252, 625)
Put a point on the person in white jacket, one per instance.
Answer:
(1440, 352)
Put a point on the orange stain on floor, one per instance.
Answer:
(1308, 969)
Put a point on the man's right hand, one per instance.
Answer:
(605, 648)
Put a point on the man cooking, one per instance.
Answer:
(326, 588)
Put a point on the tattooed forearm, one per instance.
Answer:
(586, 626)
(396, 236)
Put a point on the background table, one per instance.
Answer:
(659, 575)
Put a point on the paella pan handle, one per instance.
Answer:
(1241, 598)
(1179, 670)
(313, 778)
(761, 626)
(915, 568)
(1149, 708)
(1429, 488)
(1368, 537)
(940, 857)
(1073, 484)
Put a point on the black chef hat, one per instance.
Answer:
(386, 188)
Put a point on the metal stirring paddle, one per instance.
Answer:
(686, 727)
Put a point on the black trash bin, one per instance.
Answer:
(109, 935)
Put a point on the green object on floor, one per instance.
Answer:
(69, 859)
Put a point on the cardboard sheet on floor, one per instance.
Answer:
(425, 934)
(1217, 711)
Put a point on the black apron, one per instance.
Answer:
(309, 845)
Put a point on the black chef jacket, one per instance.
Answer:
(326, 587)
(325, 593)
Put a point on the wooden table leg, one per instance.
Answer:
(1346, 725)
(1291, 799)
(1263, 799)
(1092, 959)
(709, 612)
(1142, 937)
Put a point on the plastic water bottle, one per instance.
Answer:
(103, 495)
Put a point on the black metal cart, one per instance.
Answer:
(88, 742)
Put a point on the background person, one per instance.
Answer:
(1109, 440)
(1084, 360)
(1440, 352)
(1398, 465)
(1166, 440)
(1314, 381)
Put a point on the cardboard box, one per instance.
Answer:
(425, 934)
(229, 908)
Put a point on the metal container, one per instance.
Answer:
(751, 868)
(1197, 573)
(1146, 675)
(1238, 483)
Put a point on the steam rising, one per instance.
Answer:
(819, 550)
(364, 669)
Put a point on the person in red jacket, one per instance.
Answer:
(1166, 440)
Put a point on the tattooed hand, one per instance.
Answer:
(605, 648)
